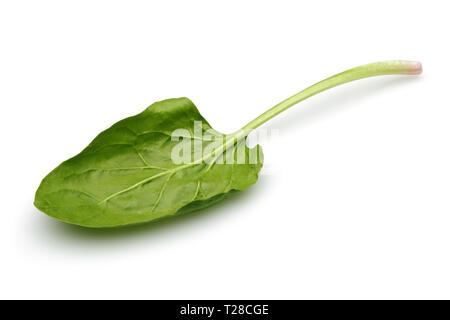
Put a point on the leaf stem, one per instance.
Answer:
(365, 71)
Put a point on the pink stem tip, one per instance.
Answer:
(412, 67)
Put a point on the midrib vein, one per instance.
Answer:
(230, 142)
(145, 181)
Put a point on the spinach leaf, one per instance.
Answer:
(133, 172)
(127, 174)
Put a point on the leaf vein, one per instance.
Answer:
(158, 200)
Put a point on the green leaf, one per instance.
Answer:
(127, 175)
(132, 172)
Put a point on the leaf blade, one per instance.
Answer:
(126, 174)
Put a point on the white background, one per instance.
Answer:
(353, 202)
